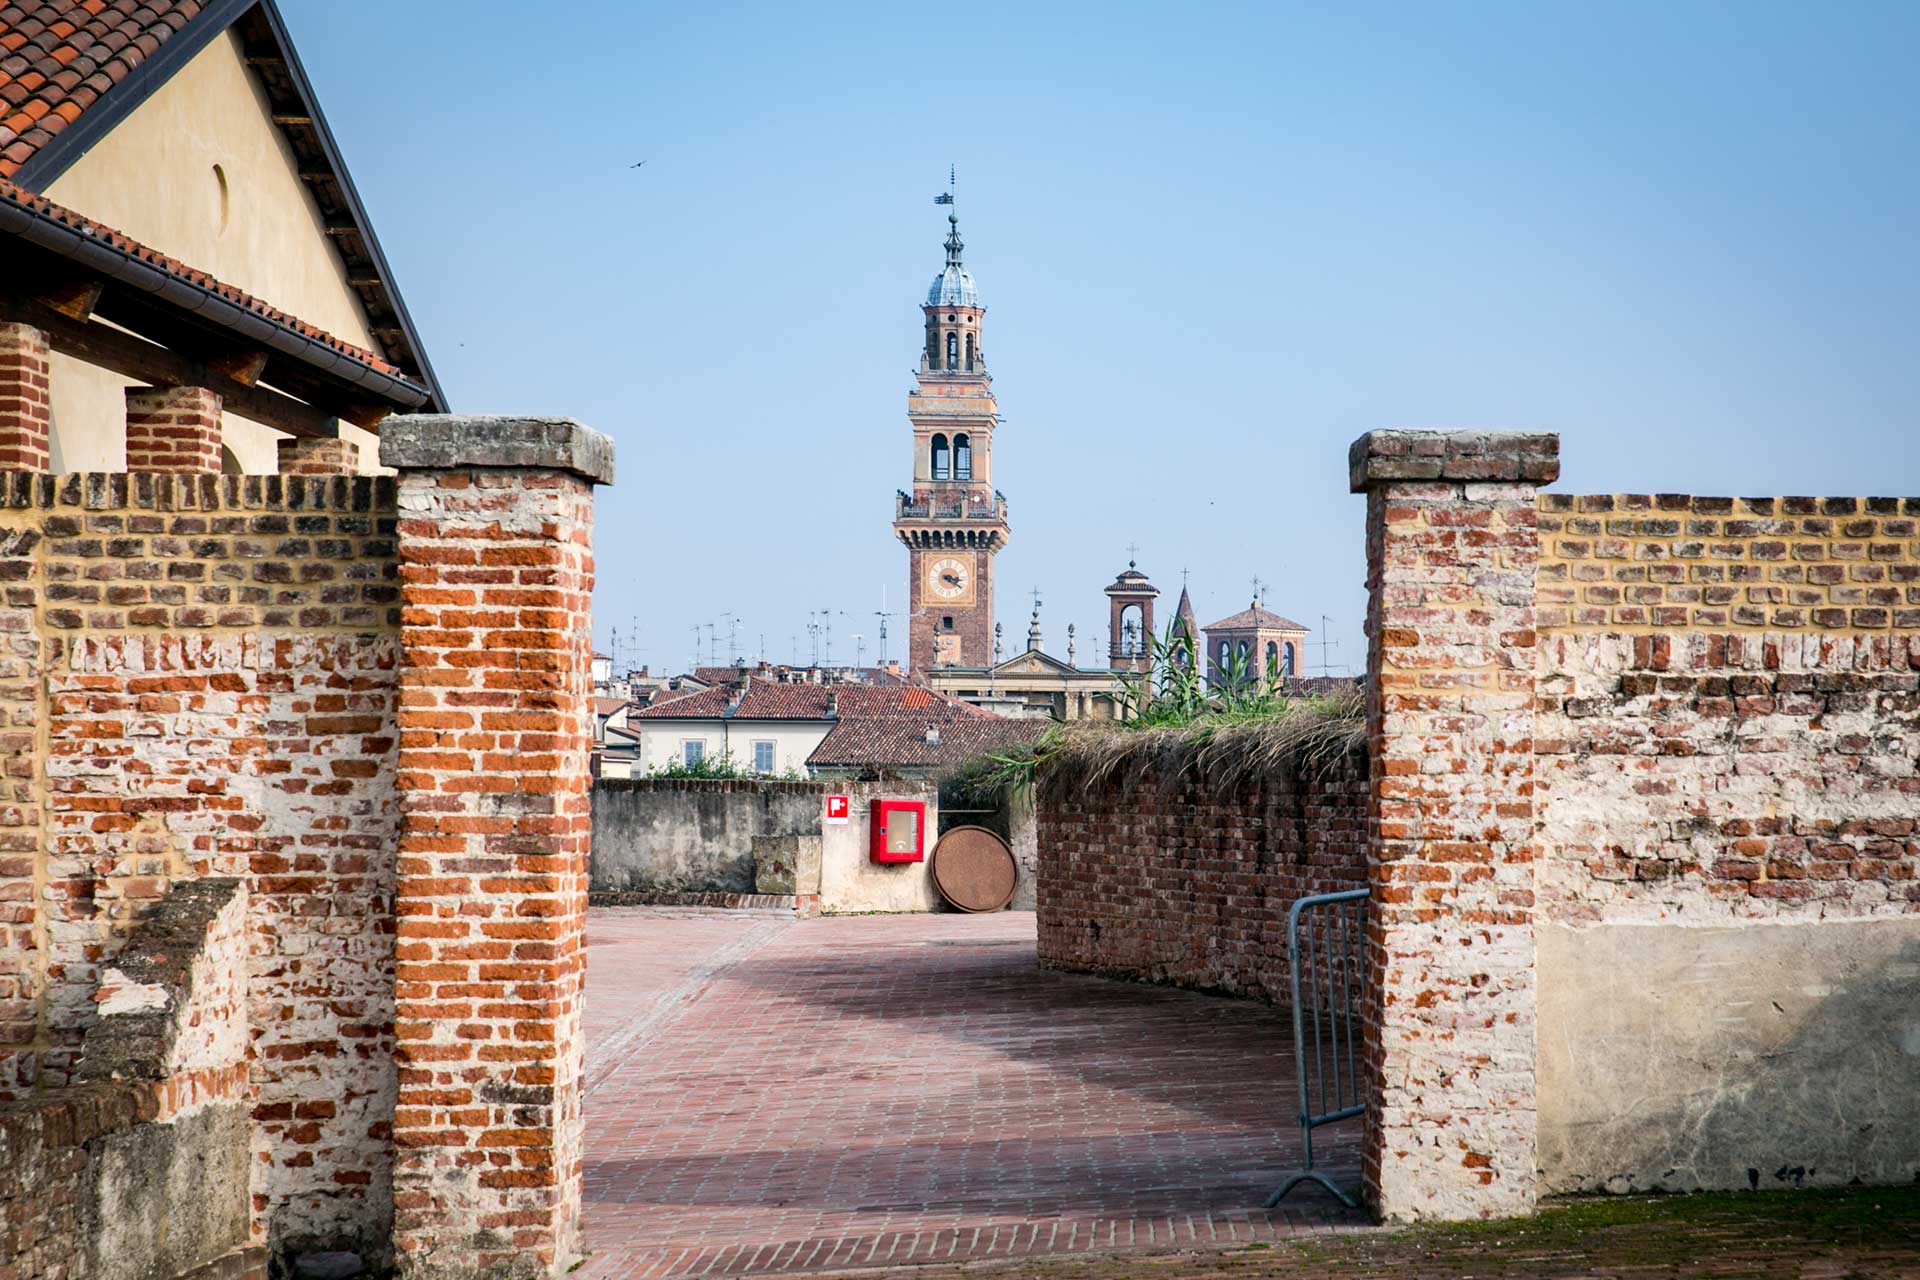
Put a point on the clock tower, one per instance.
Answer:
(953, 522)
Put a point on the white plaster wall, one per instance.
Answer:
(793, 741)
(849, 880)
(153, 178)
(1727, 1058)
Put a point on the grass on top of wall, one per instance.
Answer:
(1178, 724)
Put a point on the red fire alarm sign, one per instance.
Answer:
(837, 809)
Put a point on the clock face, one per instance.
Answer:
(948, 578)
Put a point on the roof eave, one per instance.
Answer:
(49, 162)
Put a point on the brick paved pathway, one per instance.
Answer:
(770, 1095)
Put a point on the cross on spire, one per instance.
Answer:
(1133, 553)
(1258, 588)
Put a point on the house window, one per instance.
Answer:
(763, 757)
(693, 751)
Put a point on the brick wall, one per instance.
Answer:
(1645, 847)
(1451, 559)
(203, 680)
(496, 729)
(200, 681)
(26, 413)
(1728, 710)
(143, 1169)
(1726, 742)
(1187, 880)
(173, 429)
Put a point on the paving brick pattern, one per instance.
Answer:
(858, 1091)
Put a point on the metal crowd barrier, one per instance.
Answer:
(1326, 949)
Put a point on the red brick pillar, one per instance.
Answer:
(26, 414)
(318, 457)
(495, 525)
(173, 429)
(1451, 555)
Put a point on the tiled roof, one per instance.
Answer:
(1250, 619)
(604, 707)
(696, 704)
(901, 741)
(20, 198)
(58, 56)
(768, 700)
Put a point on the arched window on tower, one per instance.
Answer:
(1226, 656)
(962, 458)
(969, 353)
(1286, 660)
(1273, 660)
(939, 457)
(953, 352)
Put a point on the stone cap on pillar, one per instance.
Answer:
(1495, 457)
(444, 441)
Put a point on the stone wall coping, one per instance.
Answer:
(445, 441)
(713, 786)
(159, 953)
(1494, 457)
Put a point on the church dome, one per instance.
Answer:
(953, 288)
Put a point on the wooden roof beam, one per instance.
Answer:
(134, 357)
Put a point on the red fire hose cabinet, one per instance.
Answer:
(899, 830)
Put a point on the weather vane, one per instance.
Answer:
(946, 197)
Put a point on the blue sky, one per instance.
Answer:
(1216, 243)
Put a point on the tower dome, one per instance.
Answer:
(953, 287)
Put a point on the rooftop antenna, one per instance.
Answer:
(1325, 644)
(813, 634)
(733, 639)
(859, 649)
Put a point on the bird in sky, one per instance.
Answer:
(636, 166)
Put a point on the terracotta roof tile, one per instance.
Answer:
(900, 741)
(767, 700)
(20, 197)
(1247, 619)
(42, 37)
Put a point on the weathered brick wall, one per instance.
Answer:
(1728, 710)
(143, 1169)
(1451, 557)
(1188, 880)
(1729, 706)
(495, 722)
(199, 680)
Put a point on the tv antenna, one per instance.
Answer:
(1325, 644)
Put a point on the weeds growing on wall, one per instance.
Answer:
(722, 767)
(1177, 721)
